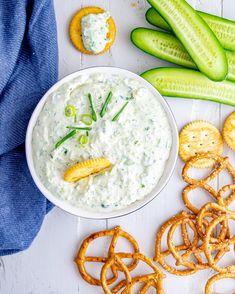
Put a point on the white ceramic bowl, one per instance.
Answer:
(134, 206)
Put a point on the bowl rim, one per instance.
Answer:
(89, 214)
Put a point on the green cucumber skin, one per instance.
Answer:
(223, 28)
(168, 47)
(195, 35)
(155, 19)
(162, 45)
(187, 83)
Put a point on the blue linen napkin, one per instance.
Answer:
(28, 67)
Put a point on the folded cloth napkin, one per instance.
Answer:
(28, 67)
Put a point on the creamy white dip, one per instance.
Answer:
(137, 144)
(94, 31)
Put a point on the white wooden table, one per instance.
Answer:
(47, 267)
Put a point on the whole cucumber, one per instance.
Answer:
(168, 47)
(223, 28)
(187, 83)
(195, 35)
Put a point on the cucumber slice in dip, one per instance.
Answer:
(196, 36)
(168, 47)
(223, 28)
(187, 83)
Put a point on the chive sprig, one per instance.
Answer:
(106, 103)
(93, 113)
(117, 115)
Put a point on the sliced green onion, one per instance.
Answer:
(69, 135)
(83, 140)
(79, 128)
(70, 111)
(86, 119)
(116, 117)
(93, 114)
(107, 100)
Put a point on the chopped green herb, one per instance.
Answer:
(93, 113)
(65, 151)
(131, 97)
(83, 140)
(70, 111)
(142, 185)
(87, 133)
(79, 128)
(86, 119)
(136, 142)
(116, 117)
(107, 100)
(104, 205)
(65, 138)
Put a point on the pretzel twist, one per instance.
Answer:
(149, 280)
(81, 258)
(216, 278)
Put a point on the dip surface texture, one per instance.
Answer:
(137, 144)
(94, 31)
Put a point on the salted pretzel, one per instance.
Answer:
(211, 192)
(216, 196)
(208, 247)
(81, 258)
(160, 254)
(216, 278)
(182, 260)
(148, 280)
(115, 261)
(195, 249)
(214, 210)
(226, 201)
(203, 219)
(221, 163)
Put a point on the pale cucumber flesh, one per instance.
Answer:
(195, 35)
(168, 47)
(231, 65)
(162, 45)
(223, 28)
(187, 83)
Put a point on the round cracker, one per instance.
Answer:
(75, 30)
(200, 137)
(229, 131)
(86, 168)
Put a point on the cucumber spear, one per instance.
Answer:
(187, 83)
(195, 35)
